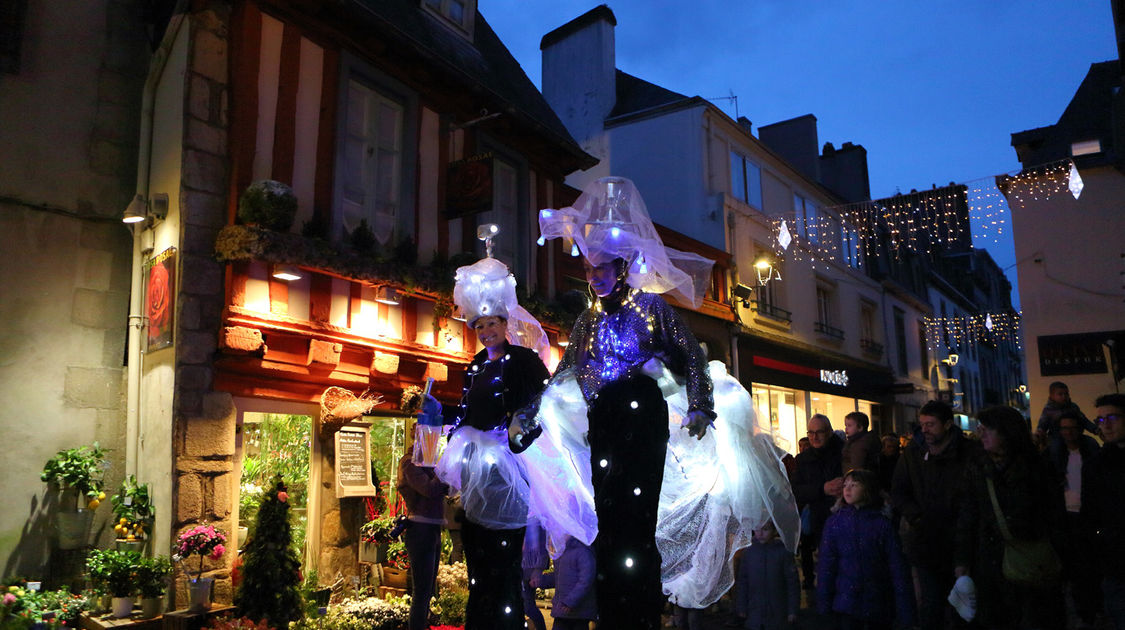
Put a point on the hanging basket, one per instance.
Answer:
(339, 406)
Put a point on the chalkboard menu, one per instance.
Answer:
(353, 462)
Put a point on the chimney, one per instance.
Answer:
(746, 125)
(579, 75)
(844, 171)
(796, 141)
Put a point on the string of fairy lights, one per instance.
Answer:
(957, 331)
(921, 222)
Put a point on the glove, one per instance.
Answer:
(696, 422)
(431, 406)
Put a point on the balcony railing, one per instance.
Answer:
(828, 330)
(871, 346)
(773, 312)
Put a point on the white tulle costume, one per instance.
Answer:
(714, 491)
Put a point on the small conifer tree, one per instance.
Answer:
(270, 568)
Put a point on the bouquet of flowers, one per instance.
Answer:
(202, 540)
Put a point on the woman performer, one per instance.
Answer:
(477, 461)
(668, 507)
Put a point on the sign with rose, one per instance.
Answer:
(160, 299)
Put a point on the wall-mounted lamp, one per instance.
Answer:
(387, 295)
(744, 294)
(952, 360)
(288, 273)
(139, 210)
(766, 272)
(457, 313)
(564, 340)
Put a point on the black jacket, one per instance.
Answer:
(487, 403)
(1103, 505)
(924, 494)
(815, 467)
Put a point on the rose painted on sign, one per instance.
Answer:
(160, 299)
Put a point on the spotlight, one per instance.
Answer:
(387, 295)
(288, 273)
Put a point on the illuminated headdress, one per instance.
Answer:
(486, 288)
(609, 221)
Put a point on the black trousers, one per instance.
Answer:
(423, 545)
(492, 557)
(628, 440)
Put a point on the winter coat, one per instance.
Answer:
(766, 586)
(1049, 418)
(860, 451)
(1103, 505)
(421, 490)
(924, 494)
(1031, 501)
(815, 467)
(573, 581)
(861, 571)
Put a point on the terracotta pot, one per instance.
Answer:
(394, 578)
(122, 607)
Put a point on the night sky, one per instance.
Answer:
(932, 90)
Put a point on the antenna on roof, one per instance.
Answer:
(732, 98)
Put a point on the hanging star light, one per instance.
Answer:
(988, 322)
(1075, 186)
(783, 236)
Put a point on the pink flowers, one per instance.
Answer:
(9, 599)
(203, 540)
(283, 496)
(218, 552)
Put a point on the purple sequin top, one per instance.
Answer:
(616, 336)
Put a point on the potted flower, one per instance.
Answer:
(269, 203)
(133, 509)
(201, 540)
(79, 471)
(114, 571)
(396, 569)
(152, 581)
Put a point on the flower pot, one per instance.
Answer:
(131, 545)
(243, 534)
(122, 607)
(151, 607)
(394, 578)
(199, 594)
(104, 603)
(74, 528)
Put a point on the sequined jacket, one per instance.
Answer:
(615, 337)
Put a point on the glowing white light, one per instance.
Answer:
(541, 241)
(574, 250)
(603, 463)
(637, 491)
(988, 321)
(507, 610)
(615, 232)
(629, 563)
(503, 543)
(783, 236)
(473, 581)
(1075, 184)
(546, 214)
(490, 459)
(634, 405)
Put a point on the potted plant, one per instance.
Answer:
(201, 540)
(133, 509)
(152, 582)
(268, 203)
(114, 571)
(396, 569)
(79, 471)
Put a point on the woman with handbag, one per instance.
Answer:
(1010, 508)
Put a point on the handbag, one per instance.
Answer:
(1027, 562)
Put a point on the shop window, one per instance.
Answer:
(785, 409)
(275, 444)
(388, 443)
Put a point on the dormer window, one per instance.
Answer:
(457, 13)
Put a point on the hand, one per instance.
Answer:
(522, 431)
(696, 423)
(835, 487)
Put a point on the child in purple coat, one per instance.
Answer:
(862, 577)
(575, 602)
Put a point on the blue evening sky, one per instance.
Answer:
(931, 89)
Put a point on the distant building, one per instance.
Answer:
(1070, 252)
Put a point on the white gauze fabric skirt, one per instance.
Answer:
(715, 491)
(491, 479)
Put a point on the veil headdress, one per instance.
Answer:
(487, 288)
(609, 221)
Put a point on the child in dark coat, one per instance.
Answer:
(575, 602)
(767, 591)
(862, 577)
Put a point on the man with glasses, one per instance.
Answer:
(923, 495)
(1103, 501)
(817, 483)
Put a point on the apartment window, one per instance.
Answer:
(923, 349)
(371, 166)
(745, 180)
(505, 213)
(867, 328)
(849, 246)
(900, 340)
(825, 297)
(459, 13)
(12, 14)
(807, 219)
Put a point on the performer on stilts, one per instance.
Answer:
(626, 454)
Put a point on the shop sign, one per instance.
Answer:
(1083, 353)
(834, 377)
(469, 186)
(353, 462)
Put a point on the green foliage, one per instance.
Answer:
(397, 556)
(363, 238)
(152, 576)
(278, 445)
(449, 605)
(370, 613)
(133, 503)
(377, 531)
(53, 609)
(80, 468)
(270, 568)
(268, 203)
(115, 571)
